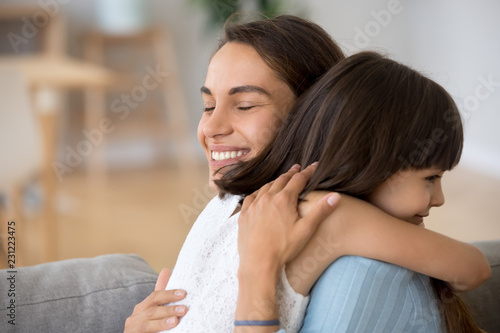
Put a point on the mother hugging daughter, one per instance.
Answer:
(362, 122)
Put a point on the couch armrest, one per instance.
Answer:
(485, 300)
(77, 295)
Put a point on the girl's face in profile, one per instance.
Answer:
(244, 105)
(410, 194)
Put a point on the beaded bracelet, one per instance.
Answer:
(274, 322)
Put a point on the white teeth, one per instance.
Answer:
(225, 155)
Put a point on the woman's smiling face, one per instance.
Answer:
(244, 105)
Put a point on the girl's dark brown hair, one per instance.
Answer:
(365, 119)
(298, 50)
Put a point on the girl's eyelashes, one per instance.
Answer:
(433, 178)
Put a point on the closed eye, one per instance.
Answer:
(245, 108)
(208, 109)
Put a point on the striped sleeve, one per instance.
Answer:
(357, 294)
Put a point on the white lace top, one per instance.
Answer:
(207, 269)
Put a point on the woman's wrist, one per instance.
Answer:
(257, 294)
(259, 270)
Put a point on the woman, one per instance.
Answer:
(246, 85)
(366, 115)
(268, 63)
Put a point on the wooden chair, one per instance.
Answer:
(49, 72)
(21, 151)
(169, 121)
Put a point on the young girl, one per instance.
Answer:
(384, 134)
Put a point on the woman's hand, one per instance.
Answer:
(271, 231)
(152, 314)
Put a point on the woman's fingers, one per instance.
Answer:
(276, 185)
(155, 318)
(246, 203)
(163, 278)
(299, 180)
(153, 314)
(290, 184)
(321, 209)
(160, 297)
(164, 312)
(159, 325)
(283, 179)
(163, 318)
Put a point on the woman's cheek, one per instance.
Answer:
(267, 131)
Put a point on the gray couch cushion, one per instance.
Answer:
(485, 300)
(99, 295)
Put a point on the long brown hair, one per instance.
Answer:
(365, 119)
(299, 51)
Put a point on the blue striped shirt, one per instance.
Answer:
(357, 294)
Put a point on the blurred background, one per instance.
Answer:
(99, 104)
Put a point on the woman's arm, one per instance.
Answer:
(361, 229)
(265, 247)
(257, 298)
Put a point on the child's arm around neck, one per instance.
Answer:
(361, 229)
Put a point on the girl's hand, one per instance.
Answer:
(151, 315)
(271, 231)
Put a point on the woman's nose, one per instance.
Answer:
(218, 123)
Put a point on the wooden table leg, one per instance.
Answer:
(49, 221)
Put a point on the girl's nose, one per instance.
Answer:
(437, 199)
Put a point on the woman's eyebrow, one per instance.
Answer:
(248, 89)
(240, 89)
(205, 90)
